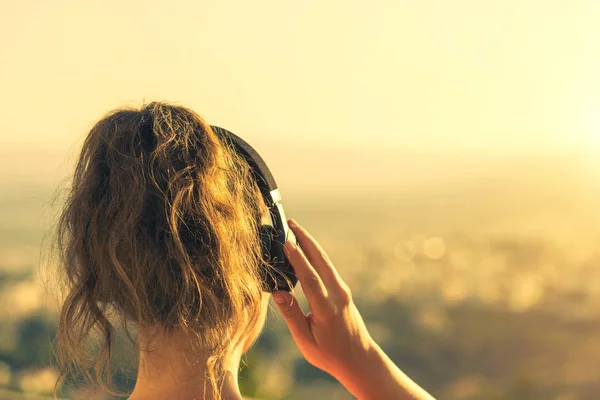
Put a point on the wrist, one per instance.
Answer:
(376, 377)
(363, 369)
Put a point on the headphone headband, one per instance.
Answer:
(278, 232)
(261, 173)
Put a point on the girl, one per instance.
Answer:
(160, 230)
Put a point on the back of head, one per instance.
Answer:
(160, 228)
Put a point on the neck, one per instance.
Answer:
(170, 370)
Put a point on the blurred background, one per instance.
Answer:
(446, 155)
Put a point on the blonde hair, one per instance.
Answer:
(160, 227)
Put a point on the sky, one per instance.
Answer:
(379, 77)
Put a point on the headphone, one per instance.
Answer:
(272, 236)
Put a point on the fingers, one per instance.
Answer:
(316, 255)
(294, 318)
(313, 287)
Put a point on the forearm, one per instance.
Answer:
(334, 337)
(378, 378)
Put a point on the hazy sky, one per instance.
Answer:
(417, 74)
(487, 77)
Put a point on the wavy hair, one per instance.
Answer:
(160, 227)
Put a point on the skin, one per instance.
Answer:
(171, 371)
(332, 337)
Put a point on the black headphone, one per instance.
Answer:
(273, 236)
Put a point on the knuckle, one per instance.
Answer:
(313, 279)
(324, 256)
(288, 310)
(287, 313)
(313, 282)
(345, 296)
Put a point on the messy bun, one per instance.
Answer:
(159, 228)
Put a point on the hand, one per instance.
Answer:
(333, 336)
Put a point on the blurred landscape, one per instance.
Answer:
(446, 155)
(482, 283)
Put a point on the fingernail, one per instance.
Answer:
(292, 223)
(278, 297)
(289, 247)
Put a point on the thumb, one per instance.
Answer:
(294, 317)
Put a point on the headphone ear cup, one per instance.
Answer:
(277, 271)
(266, 239)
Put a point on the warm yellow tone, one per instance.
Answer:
(503, 76)
(446, 153)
